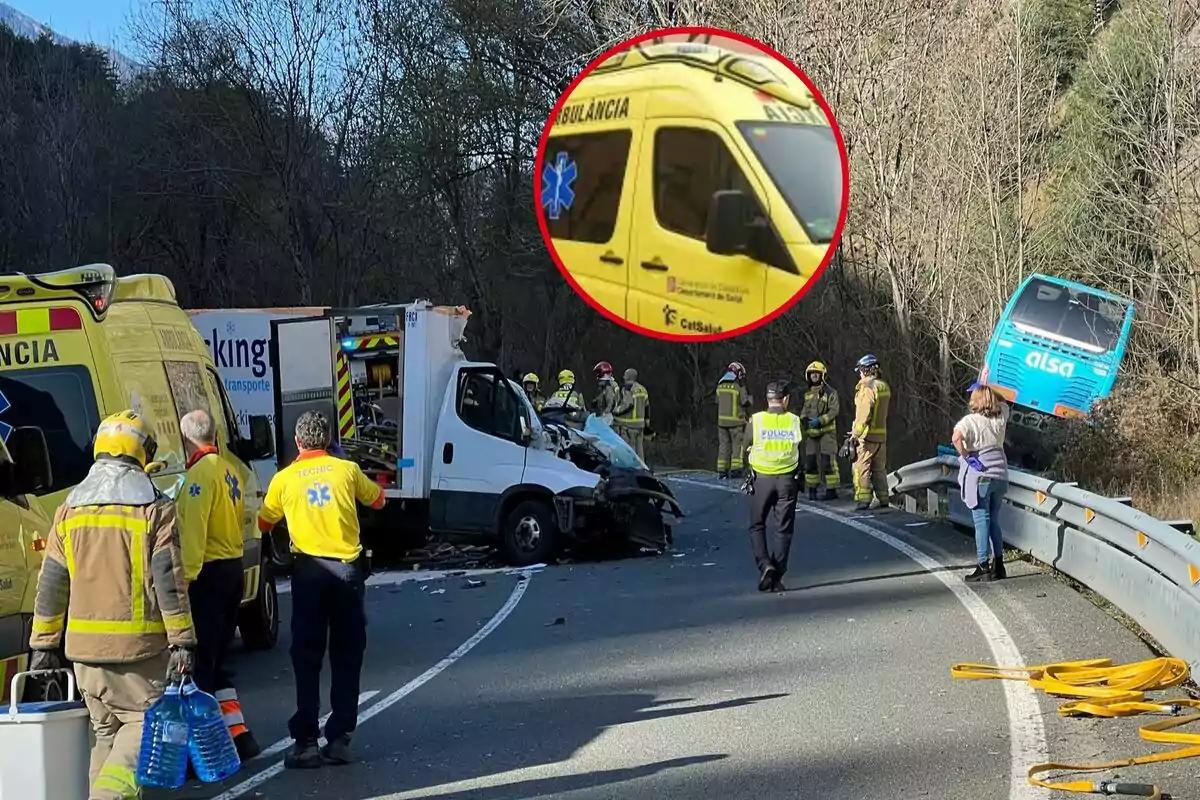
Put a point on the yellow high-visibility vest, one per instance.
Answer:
(777, 436)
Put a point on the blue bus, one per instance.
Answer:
(1056, 349)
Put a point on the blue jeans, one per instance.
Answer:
(987, 519)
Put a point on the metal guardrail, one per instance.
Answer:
(1148, 568)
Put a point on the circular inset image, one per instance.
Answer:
(692, 184)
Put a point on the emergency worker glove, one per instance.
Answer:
(45, 659)
(814, 423)
(180, 663)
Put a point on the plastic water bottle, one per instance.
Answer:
(162, 762)
(214, 756)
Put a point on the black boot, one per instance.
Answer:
(981, 573)
(812, 493)
(998, 573)
(768, 577)
(831, 493)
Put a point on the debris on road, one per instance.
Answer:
(470, 584)
(557, 621)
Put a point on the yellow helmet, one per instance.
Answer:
(531, 378)
(566, 376)
(125, 434)
(815, 366)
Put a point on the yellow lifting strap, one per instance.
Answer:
(1105, 690)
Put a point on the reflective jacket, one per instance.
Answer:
(606, 401)
(732, 402)
(634, 407)
(211, 508)
(112, 574)
(566, 396)
(871, 399)
(822, 402)
(774, 439)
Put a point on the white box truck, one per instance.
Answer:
(471, 457)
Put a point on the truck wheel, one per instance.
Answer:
(530, 534)
(259, 620)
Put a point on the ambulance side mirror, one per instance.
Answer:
(29, 470)
(727, 232)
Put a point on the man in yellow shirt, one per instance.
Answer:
(316, 494)
(211, 505)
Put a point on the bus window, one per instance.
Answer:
(1074, 315)
(60, 401)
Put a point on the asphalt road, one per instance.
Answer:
(673, 677)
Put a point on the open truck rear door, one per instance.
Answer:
(302, 365)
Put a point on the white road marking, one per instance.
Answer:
(1027, 732)
(398, 576)
(387, 702)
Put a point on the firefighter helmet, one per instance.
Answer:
(869, 360)
(737, 369)
(566, 376)
(531, 377)
(603, 369)
(631, 374)
(815, 366)
(125, 434)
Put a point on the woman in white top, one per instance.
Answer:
(983, 476)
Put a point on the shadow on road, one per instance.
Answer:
(546, 787)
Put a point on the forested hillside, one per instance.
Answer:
(354, 151)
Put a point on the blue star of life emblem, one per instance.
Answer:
(318, 495)
(557, 179)
(194, 490)
(235, 491)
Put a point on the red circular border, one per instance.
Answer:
(676, 337)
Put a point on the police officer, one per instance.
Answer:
(775, 437)
(126, 629)
(211, 505)
(316, 494)
(872, 397)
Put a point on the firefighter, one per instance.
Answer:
(733, 402)
(633, 412)
(774, 438)
(127, 620)
(316, 494)
(819, 413)
(566, 394)
(871, 398)
(606, 401)
(532, 384)
(211, 504)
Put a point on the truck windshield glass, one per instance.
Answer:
(1070, 314)
(61, 402)
(804, 163)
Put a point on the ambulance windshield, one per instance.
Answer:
(804, 162)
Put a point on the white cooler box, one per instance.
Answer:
(44, 747)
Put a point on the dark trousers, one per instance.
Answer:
(215, 596)
(328, 606)
(778, 492)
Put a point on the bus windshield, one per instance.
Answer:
(1072, 315)
(804, 162)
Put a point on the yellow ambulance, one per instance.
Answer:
(24, 469)
(79, 344)
(690, 189)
